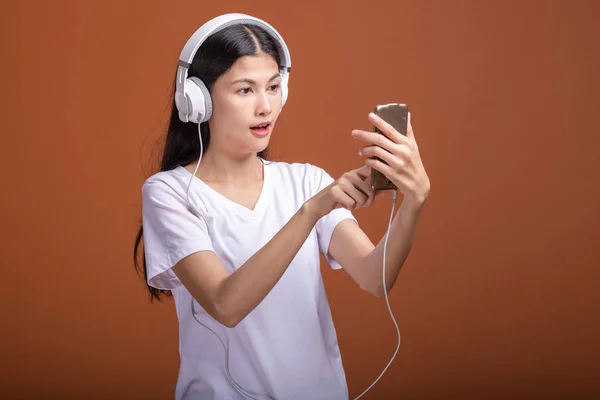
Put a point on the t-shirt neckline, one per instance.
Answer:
(241, 209)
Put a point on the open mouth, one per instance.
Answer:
(261, 129)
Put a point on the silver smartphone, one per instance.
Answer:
(395, 114)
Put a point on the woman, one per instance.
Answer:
(254, 320)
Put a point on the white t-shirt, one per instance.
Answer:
(286, 348)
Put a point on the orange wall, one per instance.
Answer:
(499, 297)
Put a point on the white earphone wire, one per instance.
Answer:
(395, 195)
(236, 386)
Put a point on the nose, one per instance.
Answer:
(263, 105)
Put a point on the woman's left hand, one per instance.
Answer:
(401, 153)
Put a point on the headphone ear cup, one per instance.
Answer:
(199, 101)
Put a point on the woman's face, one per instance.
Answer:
(245, 100)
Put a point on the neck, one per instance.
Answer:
(238, 170)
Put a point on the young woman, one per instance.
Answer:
(254, 319)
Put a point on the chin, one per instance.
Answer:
(263, 146)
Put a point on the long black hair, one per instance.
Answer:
(182, 144)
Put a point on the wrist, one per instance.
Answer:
(414, 203)
(419, 197)
(307, 211)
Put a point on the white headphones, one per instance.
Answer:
(192, 97)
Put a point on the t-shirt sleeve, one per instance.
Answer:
(327, 224)
(171, 232)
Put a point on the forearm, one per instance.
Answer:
(400, 241)
(245, 288)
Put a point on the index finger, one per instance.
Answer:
(387, 129)
(363, 172)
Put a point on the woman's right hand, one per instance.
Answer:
(350, 191)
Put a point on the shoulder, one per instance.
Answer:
(164, 185)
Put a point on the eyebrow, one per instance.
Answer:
(252, 82)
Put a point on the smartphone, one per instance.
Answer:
(395, 114)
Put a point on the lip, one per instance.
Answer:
(263, 134)
(266, 132)
(262, 123)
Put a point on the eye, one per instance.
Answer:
(274, 87)
(244, 90)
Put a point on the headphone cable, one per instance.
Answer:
(385, 292)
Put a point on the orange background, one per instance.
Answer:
(500, 296)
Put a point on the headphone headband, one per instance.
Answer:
(223, 21)
(214, 25)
